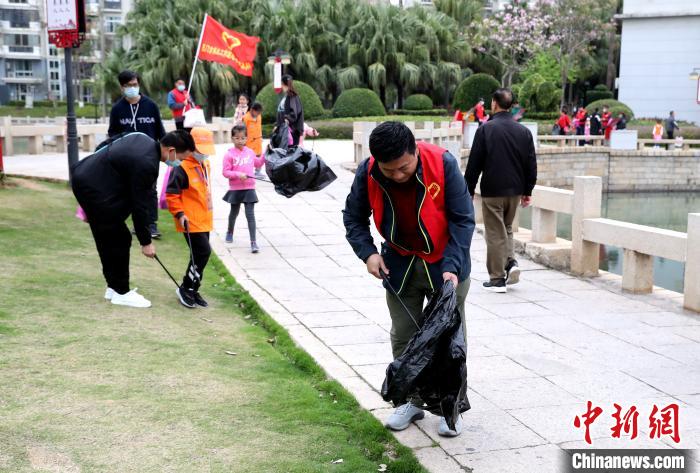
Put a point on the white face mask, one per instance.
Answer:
(200, 157)
(181, 88)
(131, 92)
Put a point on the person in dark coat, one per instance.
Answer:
(596, 124)
(419, 203)
(503, 153)
(115, 183)
(290, 110)
(136, 112)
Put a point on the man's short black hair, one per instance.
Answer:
(257, 106)
(390, 141)
(127, 76)
(503, 97)
(239, 129)
(180, 79)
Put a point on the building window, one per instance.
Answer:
(54, 64)
(53, 50)
(19, 1)
(112, 23)
(54, 75)
(19, 68)
(21, 43)
(19, 18)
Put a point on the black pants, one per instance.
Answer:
(200, 253)
(295, 138)
(180, 123)
(580, 130)
(669, 134)
(113, 241)
(154, 202)
(249, 215)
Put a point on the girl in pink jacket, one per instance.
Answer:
(239, 167)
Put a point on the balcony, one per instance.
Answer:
(20, 52)
(28, 5)
(10, 27)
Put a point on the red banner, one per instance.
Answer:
(219, 44)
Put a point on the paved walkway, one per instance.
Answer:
(536, 354)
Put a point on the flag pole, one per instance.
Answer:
(196, 56)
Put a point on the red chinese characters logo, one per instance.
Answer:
(662, 422)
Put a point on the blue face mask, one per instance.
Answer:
(131, 92)
(200, 157)
(181, 88)
(174, 162)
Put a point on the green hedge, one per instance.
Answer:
(358, 103)
(309, 101)
(599, 92)
(615, 107)
(473, 88)
(432, 112)
(418, 102)
(326, 132)
(540, 116)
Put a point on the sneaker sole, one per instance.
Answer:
(182, 301)
(497, 290)
(416, 417)
(137, 306)
(513, 276)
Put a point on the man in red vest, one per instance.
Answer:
(421, 207)
(179, 101)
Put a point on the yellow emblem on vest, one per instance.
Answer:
(434, 190)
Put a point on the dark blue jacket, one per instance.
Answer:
(460, 218)
(147, 113)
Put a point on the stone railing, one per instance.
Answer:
(447, 135)
(41, 133)
(581, 255)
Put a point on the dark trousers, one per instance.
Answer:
(669, 134)
(180, 123)
(249, 215)
(200, 253)
(154, 202)
(499, 213)
(580, 130)
(295, 138)
(113, 242)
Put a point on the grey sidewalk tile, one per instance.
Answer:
(367, 397)
(539, 459)
(331, 319)
(328, 360)
(603, 386)
(365, 354)
(435, 460)
(559, 361)
(522, 392)
(299, 251)
(556, 423)
(674, 381)
(491, 328)
(317, 304)
(373, 374)
(352, 335)
(475, 312)
(656, 338)
(496, 367)
(412, 437)
(551, 324)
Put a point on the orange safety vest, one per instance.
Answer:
(432, 219)
(195, 201)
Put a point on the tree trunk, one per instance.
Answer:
(382, 95)
(612, 66)
(564, 80)
(399, 95)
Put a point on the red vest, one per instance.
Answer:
(180, 97)
(432, 219)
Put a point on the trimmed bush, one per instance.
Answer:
(473, 88)
(418, 102)
(358, 103)
(537, 94)
(309, 101)
(616, 107)
(599, 92)
(419, 113)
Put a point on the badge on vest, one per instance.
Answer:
(434, 190)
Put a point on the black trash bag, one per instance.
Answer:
(280, 137)
(296, 170)
(433, 363)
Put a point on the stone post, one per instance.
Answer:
(8, 145)
(36, 144)
(361, 132)
(637, 272)
(544, 225)
(691, 293)
(588, 196)
(60, 139)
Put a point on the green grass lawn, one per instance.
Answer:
(91, 387)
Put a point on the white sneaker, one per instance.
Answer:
(109, 293)
(403, 416)
(131, 299)
(445, 431)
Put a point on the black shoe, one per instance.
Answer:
(155, 234)
(186, 297)
(199, 300)
(496, 285)
(512, 272)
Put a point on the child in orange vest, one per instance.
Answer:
(253, 124)
(189, 201)
(658, 132)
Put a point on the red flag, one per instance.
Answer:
(219, 44)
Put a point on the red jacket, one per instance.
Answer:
(432, 218)
(180, 97)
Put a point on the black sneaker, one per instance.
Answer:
(496, 285)
(186, 297)
(199, 300)
(155, 234)
(512, 272)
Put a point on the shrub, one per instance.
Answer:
(472, 89)
(309, 101)
(615, 107)
(358, 103)
(418, 102)
(599, 92)
(537, 94)
(419, 113)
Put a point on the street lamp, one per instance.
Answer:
(277, 59)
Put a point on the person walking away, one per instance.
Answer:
(290, 110)
(596, 127)
(113, 184)
(179, 101)
(253, 125)
(671, 125)
(606, 121)
(136, 112)
(480, 113)
(503, 154)
(564, 122)
(580, 123)
(241, 109)
(239, 164)
(189, 202)
(657, 132)
(621, 122)
(420, 206)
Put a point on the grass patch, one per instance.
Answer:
(90, 386)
